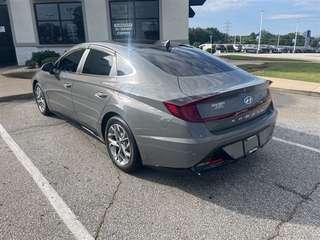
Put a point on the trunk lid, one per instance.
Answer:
(239, 97)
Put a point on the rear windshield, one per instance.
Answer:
(184, 61)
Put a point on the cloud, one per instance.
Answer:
(216, 5)
(307, 4)
(287, 16)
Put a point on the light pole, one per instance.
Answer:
(235, 36)
(295, 39)
(211, 42)
(50, 15)
(69, 9)
(258, 50)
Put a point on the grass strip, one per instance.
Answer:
(301, 71)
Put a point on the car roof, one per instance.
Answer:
(125, 48)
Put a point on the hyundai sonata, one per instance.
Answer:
(160, 105)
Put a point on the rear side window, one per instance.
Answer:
(123, 67)
(184, 61)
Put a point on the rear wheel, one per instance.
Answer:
(40, 99)
(121, 145)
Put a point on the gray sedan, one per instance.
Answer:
(158, 105)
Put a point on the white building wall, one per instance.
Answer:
(174, 20)
(22, 21)
(97, 20)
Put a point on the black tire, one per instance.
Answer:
(41, 100)
(121, 146)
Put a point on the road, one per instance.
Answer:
(68, 188)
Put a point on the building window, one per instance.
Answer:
(60, 23)
(137, 20)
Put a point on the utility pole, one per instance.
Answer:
(227, 30)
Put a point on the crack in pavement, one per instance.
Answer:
(39, 126)
(109, 205)
(305, 198)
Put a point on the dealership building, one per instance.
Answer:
(28, 26)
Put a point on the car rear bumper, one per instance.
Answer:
(186, 153)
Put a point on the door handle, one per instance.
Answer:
(67, 85)
(101, 94)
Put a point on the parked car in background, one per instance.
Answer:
(237, 47)
(160, 105)
(249, 48)
(279, 49)
(265, 48)
(205, 46)
(220, 47)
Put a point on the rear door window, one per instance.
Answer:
(98, 63)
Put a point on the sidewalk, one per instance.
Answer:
(294, 86)
(18, 88)
(14, 88)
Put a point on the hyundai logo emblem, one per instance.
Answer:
(248, 100)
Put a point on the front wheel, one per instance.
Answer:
(121, 145)
(41, 101)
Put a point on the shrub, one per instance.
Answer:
(50, 59)
(213, 50)
(31, 64)
(41, 55)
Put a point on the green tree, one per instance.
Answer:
(314, 42)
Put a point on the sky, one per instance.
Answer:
(242, 17)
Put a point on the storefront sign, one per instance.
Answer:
(123, 28)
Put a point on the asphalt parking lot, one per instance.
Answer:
(56, 182)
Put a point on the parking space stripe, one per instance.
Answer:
(65, 213)
(296, 144)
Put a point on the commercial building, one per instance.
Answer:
(28, 26)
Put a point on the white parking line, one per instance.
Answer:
(296, 144)
(55, 200)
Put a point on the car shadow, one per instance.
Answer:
(268, 184)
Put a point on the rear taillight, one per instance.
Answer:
(186, 112)
(186, 109)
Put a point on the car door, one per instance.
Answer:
(94, 86)
(60, 83)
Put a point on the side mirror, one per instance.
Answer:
(48, 67)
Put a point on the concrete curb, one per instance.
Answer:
(16, 97)
(293, 91)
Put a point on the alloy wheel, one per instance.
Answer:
(40, 99)
(119, 144)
